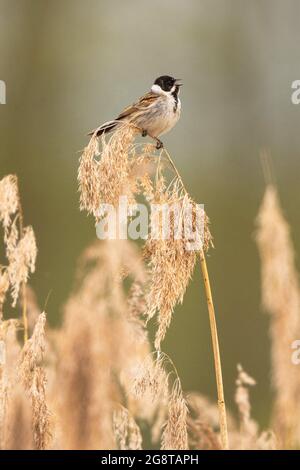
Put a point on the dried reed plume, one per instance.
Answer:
(102, 341)
(151, 379)
(150, 389)
(203, 423)
(248, 436)
(155, 386)
(175, 435)
(18, 426)
(9, 352)
(123, 170)
(9, 199)
(103, 177)
(202, 436)
(21, 255)
(281, 299)
(33, 378)
(24, 415)
(244, 381)
(20, 246)
(126, 431)
(171, 263)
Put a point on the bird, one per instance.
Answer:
(155, 113)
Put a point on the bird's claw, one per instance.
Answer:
(159, 144)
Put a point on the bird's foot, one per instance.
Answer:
(159, 144)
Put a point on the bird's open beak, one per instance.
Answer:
(178, 82)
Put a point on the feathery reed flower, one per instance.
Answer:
(249, 436)
(243, 381)
(9, 199)
(18, 426)
(20, 244)
(202, 436)
(10, 350)
(33, 378)
(203, 423)
(102, 343)
(151, 380)
(104, 177)
(175, 435)
(281, 299)
(21, 256)
(126, 431)
(171, 263)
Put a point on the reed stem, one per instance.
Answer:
(214, 333)
(216, 352)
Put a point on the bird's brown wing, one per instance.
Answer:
(143, 103)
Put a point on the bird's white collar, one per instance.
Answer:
(158, 90)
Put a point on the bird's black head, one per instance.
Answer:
(165, 82)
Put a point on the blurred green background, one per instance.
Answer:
(69, 65)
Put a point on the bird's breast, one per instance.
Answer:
(161, 117)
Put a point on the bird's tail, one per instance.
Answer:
(104, 128)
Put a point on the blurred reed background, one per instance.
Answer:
(70, 65)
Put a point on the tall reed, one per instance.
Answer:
(281, 299)
(170, 264)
